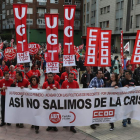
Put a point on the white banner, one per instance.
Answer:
(71, 107)
(52, 67)
(69, 60)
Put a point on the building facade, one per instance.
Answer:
(36, 31)
(115, 15)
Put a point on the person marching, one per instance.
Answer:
(34, 83)
(48, 85)
(69, 84)
(4, 83)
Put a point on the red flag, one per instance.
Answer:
(81, 47)
(77, 56)
(93, 35)
(68, 57)
(33, 48)
(1, 46)
(105, 49)
(20, 15)
(122, 60)
(135, 59)
(51, 21)
(10, 53)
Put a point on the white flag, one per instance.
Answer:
(126, 47)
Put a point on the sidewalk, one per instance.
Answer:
(26, 133)
(131, 132)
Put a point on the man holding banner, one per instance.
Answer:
(96, 82)
(69, 84)
(4, 83)
(51, 84)
(127, 82)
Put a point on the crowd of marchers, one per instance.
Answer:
(29, 76)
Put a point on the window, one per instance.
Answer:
(7, 12)
(11, 11)
(108, 9)
(61, 22)
(138, 1)
(30, 11)
(101, 10)
(87, 18)
(11, 1)
(53, 11)
(68, 2)
(77, 23)
(84, 7)
(100, 24)
(41, 21)
(31, 1)
(132, 4)
(84, 19)
(29, 21)
(41, 11)
(117, 24)
(94, 13)
(77, 14)
(131, 19)
(7, 1)
(118, 6)
(121, 23)
(88, 6)
(104, 10)
(104, 24)
(137, 21)
(122, 4)
(53, 1)
(107, 24)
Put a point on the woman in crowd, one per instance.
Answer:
(34, 83)
(60, 69)
(114, 82)
(116, 65)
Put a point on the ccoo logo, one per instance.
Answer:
(55, 117)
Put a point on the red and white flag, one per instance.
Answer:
(105, 49)
(1, 46)
(20, 16)
(33, 48)
(93, 35)
(52, 64)
(126, 47)
(81, 47)
(122, 60)
(135, 59)
(69, 54)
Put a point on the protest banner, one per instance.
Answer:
(69, 54)
(20, 16)
(105, 49)
(92, 43)
(69, 107)
(135, 59)
(51, 21)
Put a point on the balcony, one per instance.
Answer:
(68, 3)
(41, 15)
(77, 16)
(42, 3)
(76, 27)
(78, 5)
(41, 26)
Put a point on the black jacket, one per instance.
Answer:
(84, 79)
